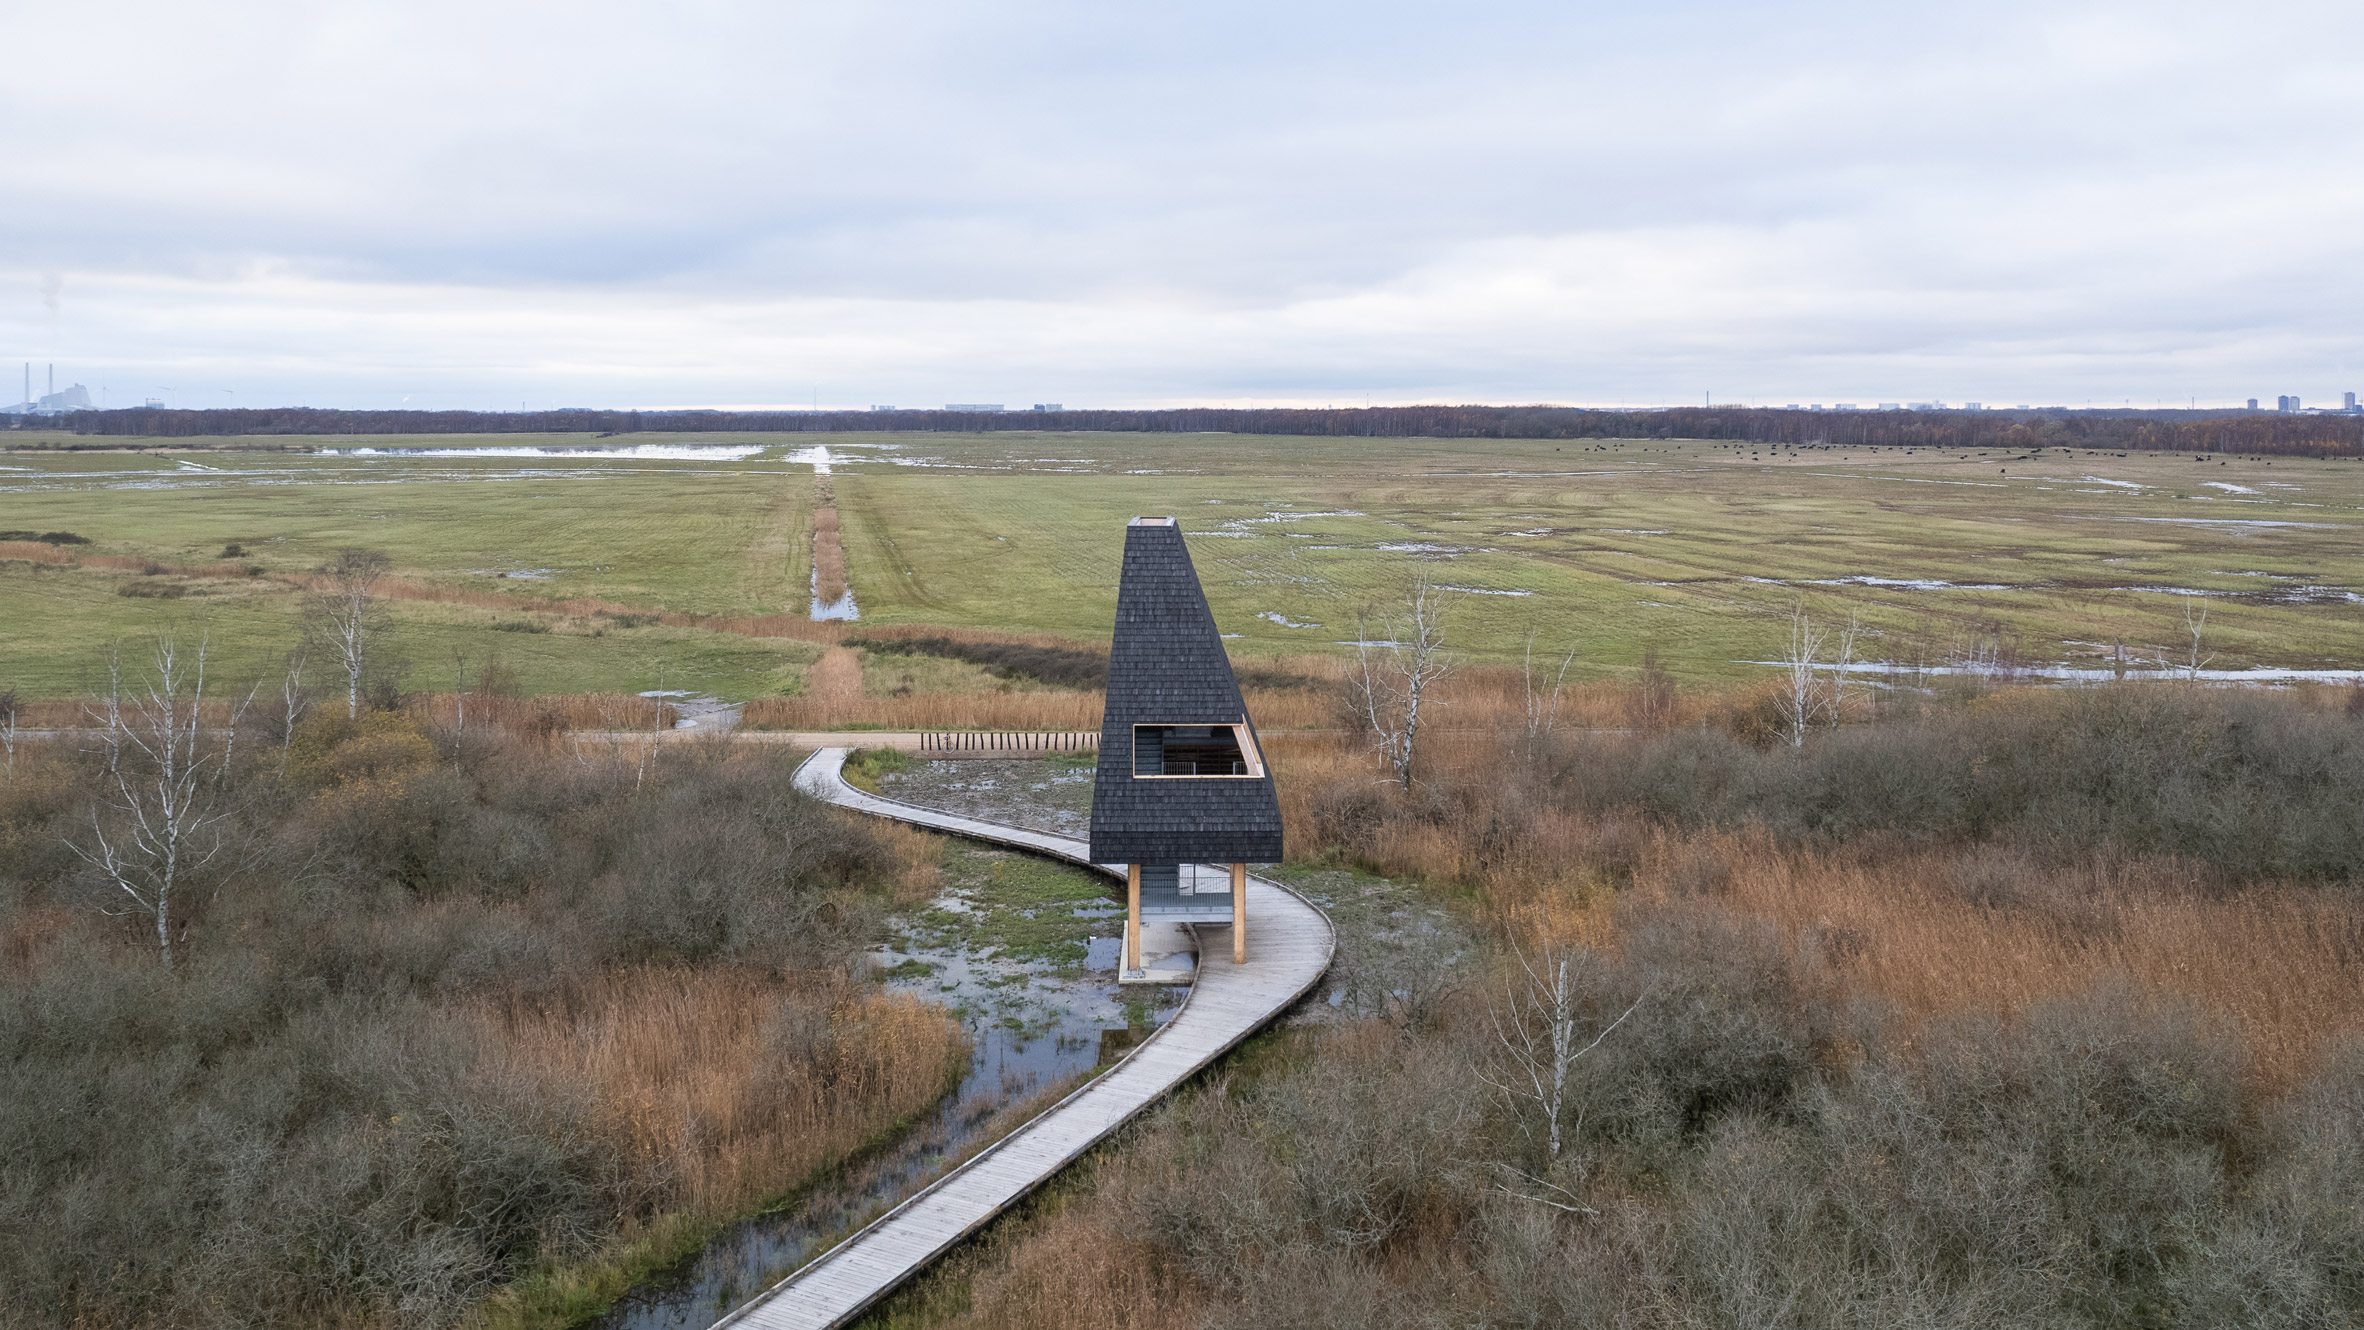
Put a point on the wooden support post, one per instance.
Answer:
(1239, 914)
(1132, 916)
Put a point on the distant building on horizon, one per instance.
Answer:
(56, 402)
(972, 406)
(2253, 404)
(1048, 406)
(2287, 405)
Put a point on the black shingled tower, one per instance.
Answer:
(1167, 667)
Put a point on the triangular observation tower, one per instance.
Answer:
(1182, 786)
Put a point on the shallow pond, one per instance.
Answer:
(1024, 950)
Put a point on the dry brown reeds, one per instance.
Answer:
(928, 711)
(1943, 930)
(829, 583)
(918, 857)
(836, 680)
(732, 1084)
(834, 698)
(34, 551)
(1932, 928)
(551, 713)
(1078, 1259)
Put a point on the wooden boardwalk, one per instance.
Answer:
(1289, 945)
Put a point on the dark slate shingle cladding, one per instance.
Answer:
(1167, 667)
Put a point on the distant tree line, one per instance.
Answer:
(2152, 431)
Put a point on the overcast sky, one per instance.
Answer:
(1109, 204)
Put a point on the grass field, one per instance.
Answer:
(1698, 549)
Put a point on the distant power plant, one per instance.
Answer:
(52, 403)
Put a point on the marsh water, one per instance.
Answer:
(1013, 946)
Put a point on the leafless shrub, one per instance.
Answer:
(1651, 706)
(1539, 1027)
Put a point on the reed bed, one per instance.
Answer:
(1939, 932)
(35, 551)
(828, 557)
(1479, 704)
(1989, 924)
(56, 556)
(549, 713)
(1079, 1258)
(90, 713)
(731, 1085)
(838, 709)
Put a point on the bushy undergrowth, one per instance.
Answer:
(442, 1012)
(2253, 785)
(1743, 1152)
(2256, 784)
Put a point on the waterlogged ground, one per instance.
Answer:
(1051, 794)
(1024, 950)
(1398, 951)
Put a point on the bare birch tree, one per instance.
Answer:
(293, 702)
(1394, 673)
(221, 771)
(163, 822)
(1543, 709)
(1537, 1026)
(110, 708)
(459, 689)
(346, 615)
(1840, 666)
(8, 705)
(2195, 627)
(656, 731)
(1801, 696)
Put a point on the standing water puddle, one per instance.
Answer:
(841, 608)
(1010, 947)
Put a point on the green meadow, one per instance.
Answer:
(1697, 550)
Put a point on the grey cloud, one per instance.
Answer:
(1527, 201)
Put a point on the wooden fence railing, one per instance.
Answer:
(1008, 741)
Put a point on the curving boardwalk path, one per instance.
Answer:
(1289, 945)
